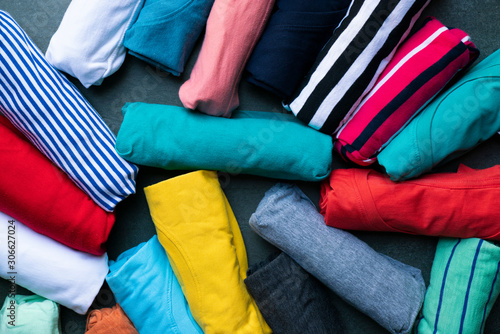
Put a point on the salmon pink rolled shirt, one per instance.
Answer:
(233, 29)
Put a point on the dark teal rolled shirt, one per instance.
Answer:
(165, 32)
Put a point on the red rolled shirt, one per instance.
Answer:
(461, 205)
(41, 196)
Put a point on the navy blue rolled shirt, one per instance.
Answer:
(295, 34)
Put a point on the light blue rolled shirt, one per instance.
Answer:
(146, 288)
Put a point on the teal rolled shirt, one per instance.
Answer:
(251, 142)
(456, 121)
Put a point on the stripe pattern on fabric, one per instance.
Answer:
(350, 63)
(56, 118)
(420, 68)
(443, 284)
(463, 287)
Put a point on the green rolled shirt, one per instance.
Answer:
(463, 287)
(29, 314)
(251, 142)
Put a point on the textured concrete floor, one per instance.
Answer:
(137, 81)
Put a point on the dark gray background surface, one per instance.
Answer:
(137, 81)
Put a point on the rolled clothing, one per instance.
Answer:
(56, 118)
(109, 320)
(43, 197)
(291, 41)
(252, 142)
(388, 291)
(460, 205)
(463, 288)
(352, 60)
(290, 299)
(142, 280)
(233, 29)
(50, 269)
(421, 67)
(165, 32)
(197, 228)
(457, 120)
(22, 314)
(88, 44)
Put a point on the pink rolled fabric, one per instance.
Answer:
(421, 67)
(233, 29)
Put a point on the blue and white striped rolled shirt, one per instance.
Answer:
(57, 119)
